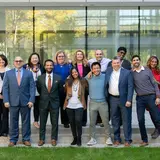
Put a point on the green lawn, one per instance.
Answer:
(20, 153)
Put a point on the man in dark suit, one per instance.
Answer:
(48, 86)
(19, 96)
(119, 91)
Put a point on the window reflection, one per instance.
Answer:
(65, 28)
(110, 28)
(60, 29)
(19, 33)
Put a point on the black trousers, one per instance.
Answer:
(64, 116)
(75, 120)
(4, 126)
(36, 109)
(54, 114)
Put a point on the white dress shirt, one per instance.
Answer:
(47, 79)
(114, 82)
(139, 70)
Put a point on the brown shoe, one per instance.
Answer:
(143, 144)
(27, 143)
(41, 143)
(53, 142)
(117, 143)
(11, 144)
(127, 144)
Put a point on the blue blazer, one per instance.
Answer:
(126, 87)
(18, 95)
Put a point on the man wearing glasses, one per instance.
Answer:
(19, 96)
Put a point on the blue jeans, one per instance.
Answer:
(142, 103)
(14, 123)
(118, 111)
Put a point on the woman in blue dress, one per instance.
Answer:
(62, 68)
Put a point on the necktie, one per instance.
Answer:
(49, 83)
(19, 77)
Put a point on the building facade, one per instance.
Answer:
(28, 26)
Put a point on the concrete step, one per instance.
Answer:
(65, 140)
(99, 130)
(65, 136)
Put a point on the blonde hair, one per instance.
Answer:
(65, 57)
(84, 60)
(149, 62)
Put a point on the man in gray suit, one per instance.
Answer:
(48, 86)
(19, 96)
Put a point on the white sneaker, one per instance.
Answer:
(92, 142)
(109, 141)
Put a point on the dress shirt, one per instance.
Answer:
(47, 79)
(114, 82)
(21, 71)
(104, 63)
(141, 69)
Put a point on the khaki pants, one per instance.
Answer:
(102, 108)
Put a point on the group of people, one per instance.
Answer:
(109, 84)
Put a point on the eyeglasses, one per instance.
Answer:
(98, 54)
(20, 61)
(60, 56)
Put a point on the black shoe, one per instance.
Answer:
(74, 141)
(79, 143)
(66, 125)
(84, 124)
(155, 134)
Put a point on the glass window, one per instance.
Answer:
(59, 29)
(149, 32)
(18, 32)
(110, 28)
(64, 28)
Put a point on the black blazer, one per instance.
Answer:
(45, 96)
(86, 69)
